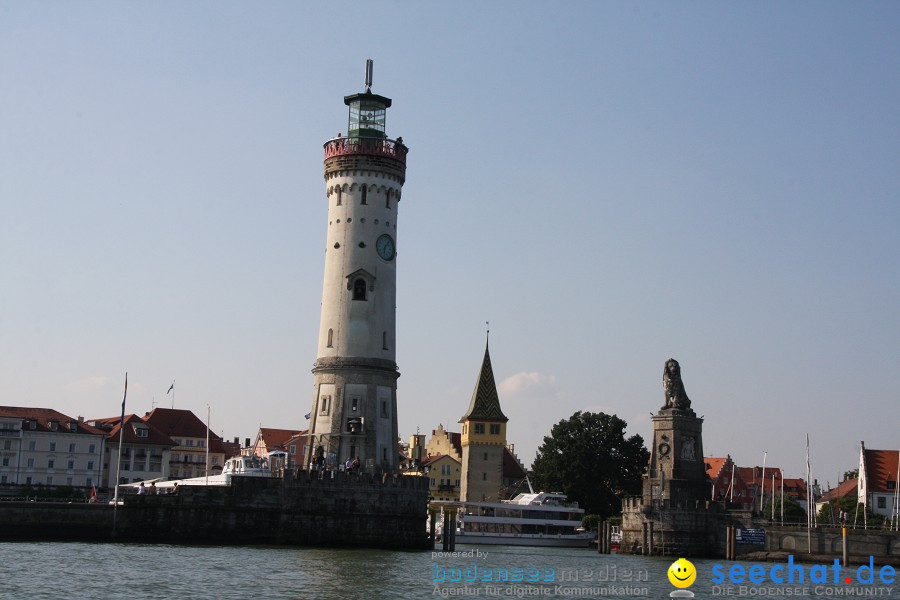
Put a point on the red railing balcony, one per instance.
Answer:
(368, 146)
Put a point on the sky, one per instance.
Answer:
(609, 184)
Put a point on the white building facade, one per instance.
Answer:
(43, 447)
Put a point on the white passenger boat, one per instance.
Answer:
(241, 466)
(535, 519)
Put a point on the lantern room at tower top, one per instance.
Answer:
(366, 131)
(367, 115)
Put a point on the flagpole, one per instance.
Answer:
(773, 496)
(172, 389)
(782, 498)
(808, 494)
(207, 444)
(732, 482)
(119, 463)
(762, 485)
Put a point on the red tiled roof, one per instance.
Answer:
(881, 467)
(753, 475)
(43, 416)
(176, 422)
(276, 438)
(155, 437)
(846, 489)
(714, 466)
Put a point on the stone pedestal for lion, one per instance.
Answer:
(674, 515)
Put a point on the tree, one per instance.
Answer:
(793, 512)
(588, 458)
(830, 511)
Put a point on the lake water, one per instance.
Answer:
(137, 572)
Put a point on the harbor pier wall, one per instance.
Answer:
(351, 509)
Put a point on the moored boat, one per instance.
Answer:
(535, 519)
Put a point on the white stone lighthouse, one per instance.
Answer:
(354, 411)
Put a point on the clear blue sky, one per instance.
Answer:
(609, 183)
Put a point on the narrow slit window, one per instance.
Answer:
(387, 203)
(331, 338)
(365, 192)
(384, 345)
(339, 196)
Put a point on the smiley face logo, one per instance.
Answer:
(682, 573)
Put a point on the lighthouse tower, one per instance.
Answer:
(354, 410)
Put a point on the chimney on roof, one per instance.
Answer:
(237, 440)
(246, 442)
(80, 419)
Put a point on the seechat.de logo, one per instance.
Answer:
(682, 574)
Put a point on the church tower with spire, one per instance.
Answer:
(483, 439)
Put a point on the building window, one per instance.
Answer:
(484, 476)
(387, 204)
(7, 445)
(338, 196)
(71, 464)
(365, 191)
(384, 408)
(90, 466)
(142, 433)
(49, 479)
(30, 463)
(91, 448)
(495, 429)
(71, 448)
(52, 446)
(31, 446)
(354, 404)
(384, 345)
(5, 462)
(331, 338)
(479, 428)
(2, 478)
(881, 502)
(293, 449)
(359, 289)
(485, 456)
(89, 482)
(323, 405)
(50, 463)
(891, 485)
(28, 481)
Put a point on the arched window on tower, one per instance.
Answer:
(359, 289)
(388, 201)
(365, 191)
(339, 196)
(331, 338)
(384, 340)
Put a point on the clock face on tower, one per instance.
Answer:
(385, 247)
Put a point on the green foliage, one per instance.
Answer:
(793, 511)
(588, 458)
(591, 522)
(851, 474)
(829, 513)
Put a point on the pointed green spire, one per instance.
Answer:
(485, 404)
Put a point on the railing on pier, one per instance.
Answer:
(369, 146)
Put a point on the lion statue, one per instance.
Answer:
(676, 397)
